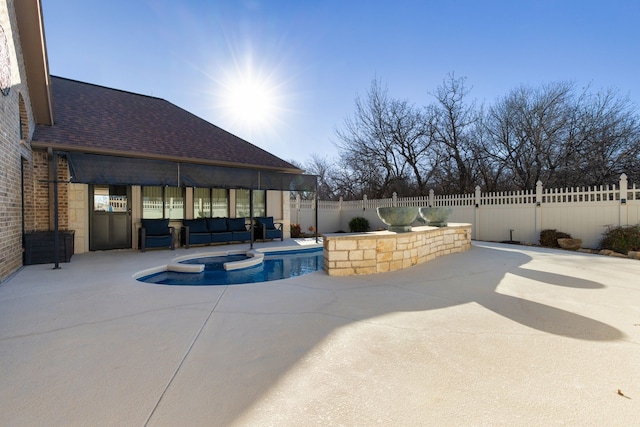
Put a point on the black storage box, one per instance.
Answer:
(39, 247)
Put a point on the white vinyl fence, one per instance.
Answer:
(585, 213)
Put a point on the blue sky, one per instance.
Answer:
(299, 65)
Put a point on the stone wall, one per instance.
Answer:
(78, 216)
(382, 251)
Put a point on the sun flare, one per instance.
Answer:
(250, 99)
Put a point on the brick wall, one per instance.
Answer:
(43, 193)
(13, 150)
(10, 203)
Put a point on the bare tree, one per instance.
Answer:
(545, 133)
(385, 146)
(530, 130)
(452, 122)
(606, 137)
(324, 168)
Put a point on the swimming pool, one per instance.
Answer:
(275, 266)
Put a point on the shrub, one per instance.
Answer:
(621, 239)
(295, 230)
(358, 225)
(549, 238)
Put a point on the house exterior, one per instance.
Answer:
(113, 157)
(24, 101)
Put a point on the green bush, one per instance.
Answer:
(549, 238)
(621, 239)
(358, 225)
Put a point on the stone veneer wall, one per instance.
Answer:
(382, 251)
(78, 216)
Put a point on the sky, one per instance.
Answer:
(284, 74)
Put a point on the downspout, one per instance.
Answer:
(51, 178)
(56, 231)
(316, 216)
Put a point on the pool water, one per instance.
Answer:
(276, 266)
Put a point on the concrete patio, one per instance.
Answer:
(497, 335)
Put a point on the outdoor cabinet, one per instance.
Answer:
(39, 247)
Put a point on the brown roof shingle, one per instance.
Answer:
(98, 119)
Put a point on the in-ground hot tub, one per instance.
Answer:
(236, 267)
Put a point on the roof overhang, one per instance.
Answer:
(103, 169)
(43, 145)
(34, 52)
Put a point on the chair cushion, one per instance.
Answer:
(196, 225)
(221, 237)
(236, 224)
(267, 221)
(156, 227)
(158, 241)
(273, 234)
(199, 238)
(217, 225)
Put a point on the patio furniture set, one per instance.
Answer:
(157, 233)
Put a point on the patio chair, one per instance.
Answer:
(266, 229)
(156, 233)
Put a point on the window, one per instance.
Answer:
(162, 202)
(201, 203)
(220, 198)
(152, 202)
(242, 203)
(210, 202)
(173, 203)
(110, 198)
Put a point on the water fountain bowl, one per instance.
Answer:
(399, 219)
(436, 216)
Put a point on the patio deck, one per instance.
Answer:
(495, 335)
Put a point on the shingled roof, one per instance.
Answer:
(96, 119)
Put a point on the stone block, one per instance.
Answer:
(384, 256)
(338, 255)
(346, 245)
(366, 270)
(570, 244)
(395, 265)
(363, 264)
(367, 244)
(369, 253)
(386, 245)
(383, 267)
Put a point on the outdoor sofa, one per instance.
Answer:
(205, 231)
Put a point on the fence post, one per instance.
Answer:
(624, 211)
(432, 197)
(364, 202)
(394, 199)
(476, 214)
(538, 208)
